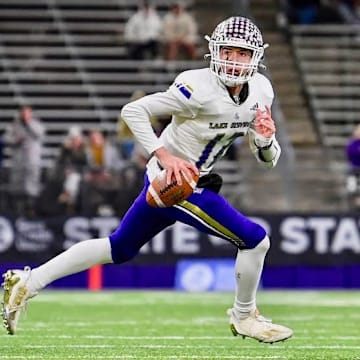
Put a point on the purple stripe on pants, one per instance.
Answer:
(142, 222)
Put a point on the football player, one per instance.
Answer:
(210, 108)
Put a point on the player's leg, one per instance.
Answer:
(211, 213)
(137, 227)
(21, 285)
(244, 317)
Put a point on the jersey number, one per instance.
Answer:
(221, 152)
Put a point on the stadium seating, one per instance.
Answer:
(328, 57)
(67, 59)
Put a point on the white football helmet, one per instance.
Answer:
(235, 32)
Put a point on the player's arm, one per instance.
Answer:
(262, 139)
(137, 116)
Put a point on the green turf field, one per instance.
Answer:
(174, 325)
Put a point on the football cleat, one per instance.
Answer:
(258, 327)
(15, 296)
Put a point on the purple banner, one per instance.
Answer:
(324, 240)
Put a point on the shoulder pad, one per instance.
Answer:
(190, 86)
(263, 85)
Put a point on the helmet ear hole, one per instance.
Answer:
(235, 32)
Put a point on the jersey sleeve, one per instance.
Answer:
(177, 100)
(137, 115)
(267, 153)
(184, 89)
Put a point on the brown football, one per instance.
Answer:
(160, 194)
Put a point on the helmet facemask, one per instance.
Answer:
(240, 33)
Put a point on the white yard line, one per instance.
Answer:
(212, 357)
(124, 298)
(248, 347)
(313, 337)
(197, 321)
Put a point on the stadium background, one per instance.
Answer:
(67, 59)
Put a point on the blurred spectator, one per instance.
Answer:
(300, 11)
(101, 153)
(353, 149)
(1, 151)
(179, 32)
(70, 167)
(306, 12)
(353, 177)
(329, 13)
(139, 157)
(25, 136)
(2, 177)
(241, 7)
(142, 33)
(101, 181)
(349, 11)
(356, 6)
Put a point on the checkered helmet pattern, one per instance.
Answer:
(238, 29)
(239, 32)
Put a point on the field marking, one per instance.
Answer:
(284, 346)
(37, 357)
(199, 321)
(196, 338)
(128, 298)
(313, 336)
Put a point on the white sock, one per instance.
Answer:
(248, 269)
(79, 257)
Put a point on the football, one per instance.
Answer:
(160, 194)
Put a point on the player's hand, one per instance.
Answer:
(264, 124)
(174, 166)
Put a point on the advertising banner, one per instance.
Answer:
(205, 275)
(296, 239)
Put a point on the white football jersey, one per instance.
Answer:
(205, 119)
